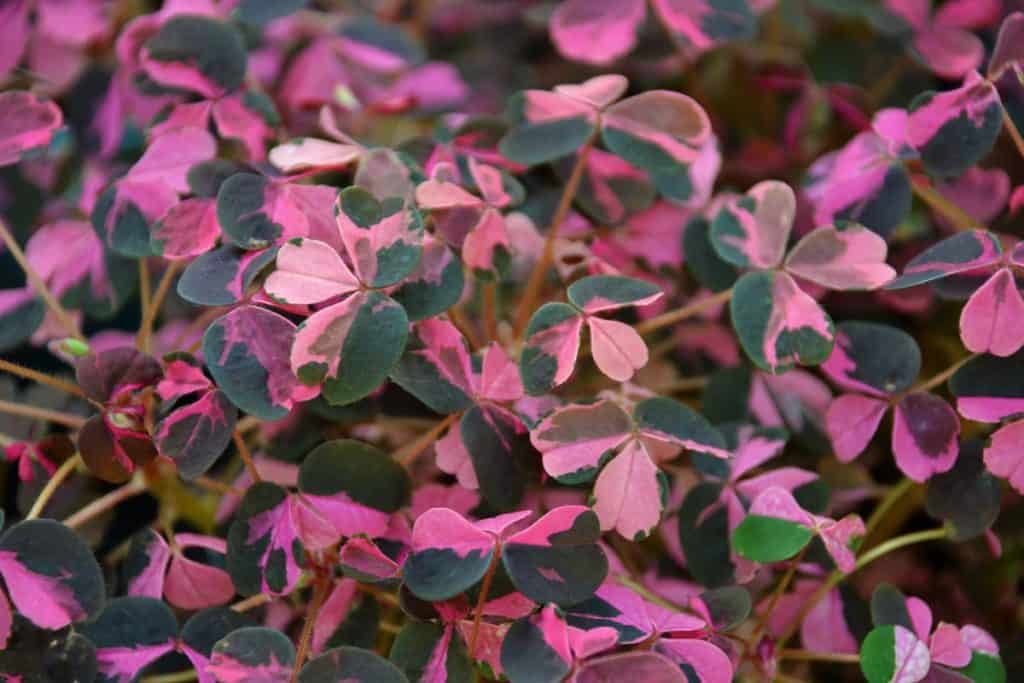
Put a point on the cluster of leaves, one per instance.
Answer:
(293, 317)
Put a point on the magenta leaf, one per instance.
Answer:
(264, 548)
(1003, 456)
(701, 24)
(1008, 53)
(222, 276)
(992, 321)
(874, 359)
(186, 230)
(449, 555)
(988, 389)
(28, 122)
(203, 630)
(193, 585)
(646, 666)
(924, 435)
(351, 665)
(701, 660)
(146, 564)
(852, 421)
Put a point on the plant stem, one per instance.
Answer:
(212, 484)
(251, 602)
(56, 480)
(540, 269)
(867, 558)
(458, 319)
(1015, 135)
(808, 656)
(146, 327)
(957, 216)
(320, 591)
(243, 452)
(478, 613)
(38, 285)
(687, 311)
(776, 595)
(145, 293)
(177, 677)
(891, 498)
(41, 378)
(938, 379)
(73, 421)
(408, 453)
(104, 503)
(490, 310)
(648, 595)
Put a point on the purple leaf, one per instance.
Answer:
(924, 436)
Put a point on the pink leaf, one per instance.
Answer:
(596, 31)
(851, 421)
(447, 529)
(993, 319)
(707, 661)
(48, 602)
(946, 647)
(306, 154)
(26, 122)
(598, 92)
(192, 585)
(618, 350)
(499, 379)
(851, 258)
(1004, 456)
(780, 503)
(308, 272)
(924, 436)
(480, 249)
(169, 157)
(333, 612)
(627, 495)
(150, 581)
(187, 229)
(453, 458)
(6, 620)
(763, 228)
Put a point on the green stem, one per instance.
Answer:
(890, 499)
(867, 558)
(960, 219)
(56, 480)
(808, 656)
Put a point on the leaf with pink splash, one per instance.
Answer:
(548, 357)
(252, 654)
(28, 122)
(700, 660)
(971, 250)
(557, 558)
(666, 420)
(546, 126)
(574, 439)
(611, 189)
(196, 54)
(955, 129)
(130, 634)
(449, 555)
(661, 132)
(222, 276)
(354, 485)
(752, 231)
(596, 32)
(264, 548)
(256, 212)
(850, 258)
(700, 25)
(778, 324)
(875, 359)
(51, 575)
(604, 293)
(195, 435)
(988, 388)
(924, 436)
(437, 368)
(247, 351)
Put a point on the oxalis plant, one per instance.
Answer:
(504, 340)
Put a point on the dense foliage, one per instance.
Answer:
(413, 341)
